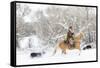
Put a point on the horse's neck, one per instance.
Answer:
(78, 36)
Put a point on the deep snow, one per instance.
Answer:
(23, 55)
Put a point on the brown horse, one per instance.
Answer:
(64, 46)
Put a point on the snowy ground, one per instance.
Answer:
(23, 57)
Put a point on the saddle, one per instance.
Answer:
(69, 43)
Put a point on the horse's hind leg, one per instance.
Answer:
(79, 51)
(63, 51)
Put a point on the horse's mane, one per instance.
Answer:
(79, 35)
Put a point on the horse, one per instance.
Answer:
(64, 46)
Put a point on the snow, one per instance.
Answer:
(24, 42)
(31, 41)
(44, 44)
(23, 57)
(92, 44)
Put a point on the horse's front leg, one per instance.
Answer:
(79, 51)
(63, 51)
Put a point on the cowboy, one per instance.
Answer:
(70, 37)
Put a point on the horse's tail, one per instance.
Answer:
(55, 50)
